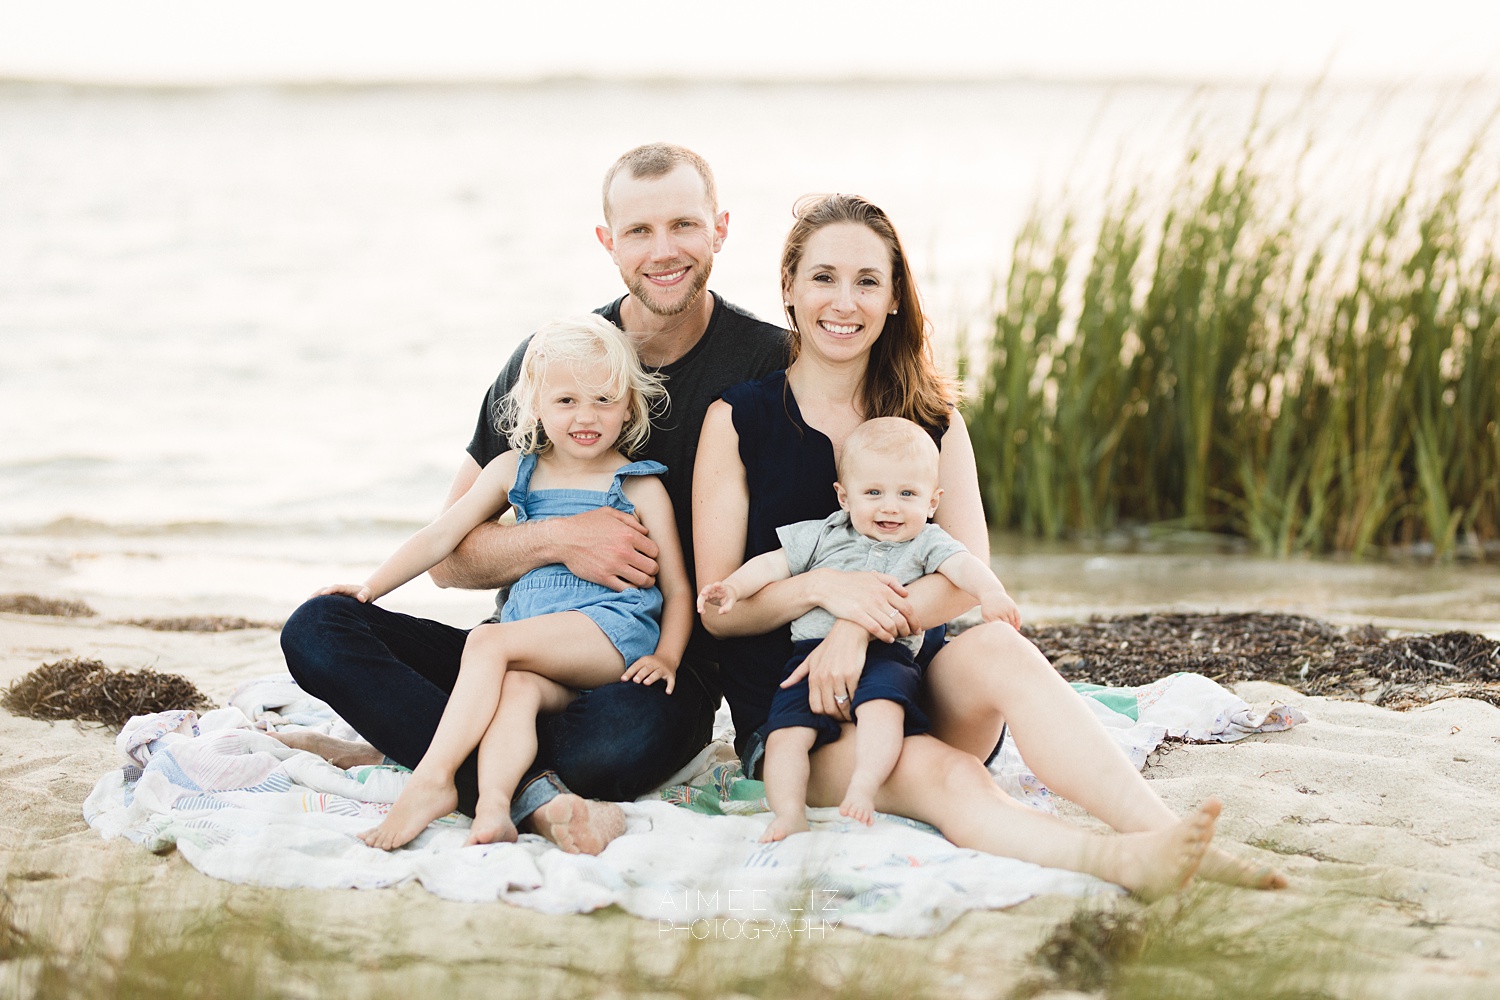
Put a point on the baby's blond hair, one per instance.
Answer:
(894, 437)
(581, 340)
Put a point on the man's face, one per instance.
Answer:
(662, 235)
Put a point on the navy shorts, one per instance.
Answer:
(891, 674)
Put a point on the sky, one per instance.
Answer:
(203, 41)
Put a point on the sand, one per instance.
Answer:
(1388, 823)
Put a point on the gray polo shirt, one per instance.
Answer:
(832, 543)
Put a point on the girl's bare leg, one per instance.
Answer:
(992, 674)
(531, 644)
(877, 744)
(951, 790)
(509, 747)
(785, 769)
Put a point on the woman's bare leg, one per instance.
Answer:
(509, 747)
(951, 790)
(992, 674)
(785, 769)
(531, 644)
(877, 744)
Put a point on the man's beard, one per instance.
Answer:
(644, 293)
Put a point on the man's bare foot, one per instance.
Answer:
(579, 825)
(1221, 866)
(783, 827)
(858, 806)
(1160, 862)
(420, 802)
(492, 823)
(339, 753)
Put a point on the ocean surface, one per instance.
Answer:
(244, 332)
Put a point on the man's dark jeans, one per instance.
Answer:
(389, 675)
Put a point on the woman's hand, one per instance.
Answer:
(832, 670)
(650, 669)
(876, 602)
(359, 591)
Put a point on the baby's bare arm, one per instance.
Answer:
(747, 581)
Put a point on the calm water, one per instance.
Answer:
(254, 325)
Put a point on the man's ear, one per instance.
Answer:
(721, 230)
(606, 238)
(843, 497)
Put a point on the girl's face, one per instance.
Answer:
(842, 291)
(576, 410)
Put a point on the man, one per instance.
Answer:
(388, 675)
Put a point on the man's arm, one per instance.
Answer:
(604, 546)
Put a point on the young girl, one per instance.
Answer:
(582, 403)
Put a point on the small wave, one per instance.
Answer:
(63, 527)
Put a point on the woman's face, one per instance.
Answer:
(842, 291)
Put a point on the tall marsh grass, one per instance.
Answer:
(1213, 360)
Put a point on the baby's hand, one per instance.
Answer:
(996, 605)
(358, 591)
(720, 593)
(650, 669)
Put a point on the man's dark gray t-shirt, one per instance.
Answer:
(735, 347)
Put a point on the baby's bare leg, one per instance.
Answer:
(878, 732)
(786, 770)
(509, 747)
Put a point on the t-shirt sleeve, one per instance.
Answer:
(488, 441)
(800, 541)
(935, 547)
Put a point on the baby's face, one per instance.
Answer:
(888, 499)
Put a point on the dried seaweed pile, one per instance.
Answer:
(31, 604)
(1304, 653)
(199, 623)
(87, 689)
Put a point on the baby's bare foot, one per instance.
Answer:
(860, 807)
(579, 825)
(1221, 866)
(783, 827)
(1160, 862)
(339, 753)
(420, 802)
(492, 823)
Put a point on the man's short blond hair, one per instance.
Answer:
(893, 437)
(657, 159)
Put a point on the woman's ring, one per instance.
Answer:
(842, 699)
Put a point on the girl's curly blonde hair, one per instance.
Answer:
(581, 341)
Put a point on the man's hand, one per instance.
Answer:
(996, 605)
(650, 669)
(608, 547)
(874, 601)
(832, 670)
(720, 594)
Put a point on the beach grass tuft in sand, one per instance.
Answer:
(31, 604)
(201, 623)
(88, 690)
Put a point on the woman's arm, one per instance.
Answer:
(721, 512)
(934, 598)
(654, 507)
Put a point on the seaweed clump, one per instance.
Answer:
(200, 623)
(31, 604)
(88, 690)
(1360, 664)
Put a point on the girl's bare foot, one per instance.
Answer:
(783, 827)
(420, 802)
(1160, 862)
(579, 825)
(492, 823)
(339, 753)
(1221, 866)
(858, 806)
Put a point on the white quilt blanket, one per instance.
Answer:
(242, 806)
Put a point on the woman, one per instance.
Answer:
(767, 457)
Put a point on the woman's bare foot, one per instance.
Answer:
(339, 753)
(783, 827)
(492, 823)
(857, 805)
(579, 825)
(1160, 862)
(423, 800)
(1221, 866)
